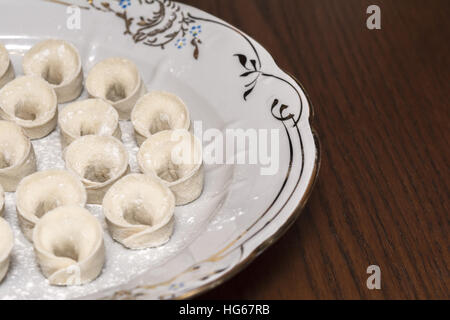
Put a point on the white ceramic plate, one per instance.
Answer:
(228, 81)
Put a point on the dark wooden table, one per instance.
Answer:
(382, 101)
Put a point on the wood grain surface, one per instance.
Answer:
(382, 101)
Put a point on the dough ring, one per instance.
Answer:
(158, 111)
(88, 117)
(30, 102)
(139, 211)
(68, 242)
(2, 200)
(6, 67)
(175, 159)
(99, 161)
(44, 191)
(58, 62)
(17, 158)
(118, 82)
(6, 246)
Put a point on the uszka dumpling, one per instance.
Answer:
(175, 159)
(118, 82)
(30, 102)
(2, 200)
(68, 242)
(139, 211)
(88, 117)
(17, 158)
(6, 67)
(57, 62)
(98, 161)
(158, 111)
(6, 246)
(44, 191)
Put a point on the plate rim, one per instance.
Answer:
(294, 215)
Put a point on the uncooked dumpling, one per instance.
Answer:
(68, 242)
(44, 191)
(30, 102)
(2, 200)
(88, 117)
(175, 159)
(17, 158)
(98, 161)
(158, 111)
(6, 67)
(6, 246)
(58, 62)
(117, 81)
(139, 211)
